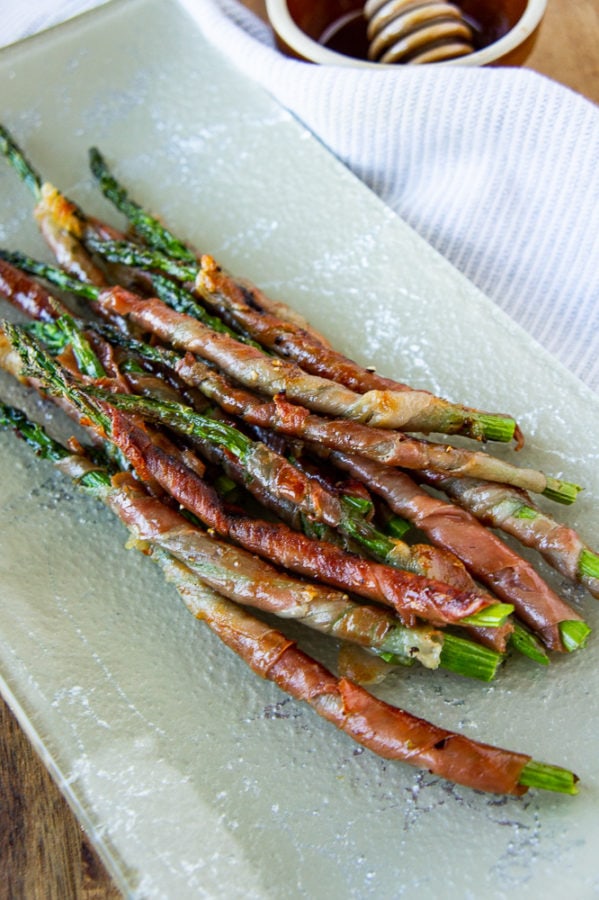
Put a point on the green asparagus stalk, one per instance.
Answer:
(548, 778)
(19, 162)
(397, 527)
(38, 365)
(541, 776)
(66, 330)
(53, 274)
(180, 299)
(574, 634)
(34, 435)
(146, 226)
(526, 643)
(135, 256)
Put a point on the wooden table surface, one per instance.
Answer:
(44, 854)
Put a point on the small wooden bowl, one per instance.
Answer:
(333, 32)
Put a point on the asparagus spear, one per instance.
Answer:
(155, 235)
(15, 156)
(181, 300)
(61, 221)
(387, 730)
(513, 511)
(29, 295)
(390, 732)
(146, 226)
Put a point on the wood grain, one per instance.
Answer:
(566, 48)
(43, 851)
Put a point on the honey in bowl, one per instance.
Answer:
(342, 26)
(347, 35)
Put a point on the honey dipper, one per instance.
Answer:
(416, 31)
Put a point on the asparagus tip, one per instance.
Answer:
(574, 634)
(15, 156)
(32, 433)
(465, 657)
(496, 427)
(588, 564)
(548, 778)
(560, 491)
(493, 616)
(397, 527)
(526, 643)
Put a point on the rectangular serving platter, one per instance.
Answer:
(193, 777)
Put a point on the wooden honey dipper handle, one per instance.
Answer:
(416, 31)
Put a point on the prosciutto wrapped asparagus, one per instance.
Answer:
(485, 555)
(388, 731)
(249, 366)
(246, 360)
(425, 560)
(514, 512)
(410, 595)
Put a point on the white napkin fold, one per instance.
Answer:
(496, 168)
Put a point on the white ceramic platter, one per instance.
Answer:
(193, 777)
